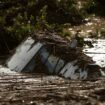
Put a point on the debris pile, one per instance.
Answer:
(49, 53)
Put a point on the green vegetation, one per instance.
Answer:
(19, 18)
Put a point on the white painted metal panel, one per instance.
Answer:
(24, 53)
(73, 43)
(59, 65)
(70, 73)
(68, 65)
(44, 55)
(51, 63)
(83, 74)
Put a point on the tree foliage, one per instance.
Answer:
(16, 14)
(95, 6)
(18, 18)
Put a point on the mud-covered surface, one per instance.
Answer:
(35, 89)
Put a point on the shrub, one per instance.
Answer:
(95, 6)
(42, 23)
(89, 7)
(21, 27)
